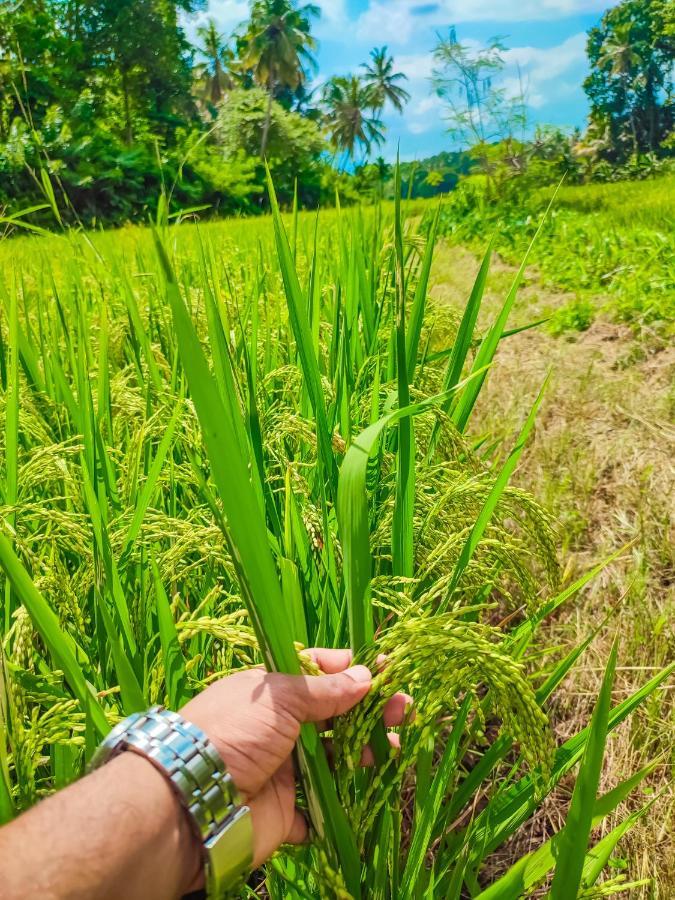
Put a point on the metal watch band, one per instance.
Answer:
(195, 769)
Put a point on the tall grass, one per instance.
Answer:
(223, 443)
(609, 245)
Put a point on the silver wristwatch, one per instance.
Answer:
(184, 754)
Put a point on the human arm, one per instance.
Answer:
(122, 827)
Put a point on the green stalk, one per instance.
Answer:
(11, 439)
(297, 310)
(573, 840)
(246, 535)
(485, 515)
(402, 553)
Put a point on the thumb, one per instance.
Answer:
(321, 697)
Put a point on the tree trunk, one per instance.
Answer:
(651, 111)
(634, 133)
(128, 126)
(74, 20)
(216, 92)
(267, 122)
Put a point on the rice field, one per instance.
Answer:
(226, 442)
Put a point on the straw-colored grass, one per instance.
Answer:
(601, 462)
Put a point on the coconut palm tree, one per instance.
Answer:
(277, 47)
(348, 101)
(621, 57)
(384, 81)
(619, 52)
(215, 76)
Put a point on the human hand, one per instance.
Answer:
(253, 719)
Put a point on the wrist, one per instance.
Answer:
(169, 831)
(195, 773)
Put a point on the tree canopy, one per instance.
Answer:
(630, 85)
(109, 104)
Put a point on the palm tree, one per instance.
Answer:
(215, 75)
(619, 53)
(348, 100)
(383, 168)
(384, 81)
(277, 49)
(620, 56)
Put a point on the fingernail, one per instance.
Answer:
(361, 674)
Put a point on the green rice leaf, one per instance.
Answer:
(120, 607)
(133, 699)
(532, 868)
(419, 300)
(6, 802)
(174, 663)
(513, 805)
(11, 438)
(424, 823)
(462, 344)
(149, 488)
(297, 310)
(574, 837)
(523, 634)
(48, 191)
(489, 344)
(598, 856)
(353, 519)
(246, 534)
(402, 552)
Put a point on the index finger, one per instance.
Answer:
(330, 661)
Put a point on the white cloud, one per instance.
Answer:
(415, 65)
(541, 70)
(423, 111)
(227, 14)
(396, 21)
(423, 115)
(550, 62)
(333, 11)
(334, 23)
(385, 22)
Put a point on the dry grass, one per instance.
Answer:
(602, 461)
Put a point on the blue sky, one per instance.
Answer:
(546, 40)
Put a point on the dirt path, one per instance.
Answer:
(603, 461)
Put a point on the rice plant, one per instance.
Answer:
(222, 447)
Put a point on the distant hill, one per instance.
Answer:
(436, 174)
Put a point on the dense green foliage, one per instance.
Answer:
(630, 85)
(436, 174)
(113, 103)
(294, 143)
(610, 245)
(110, 101)
(97, 93)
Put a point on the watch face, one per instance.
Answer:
(229, 853)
